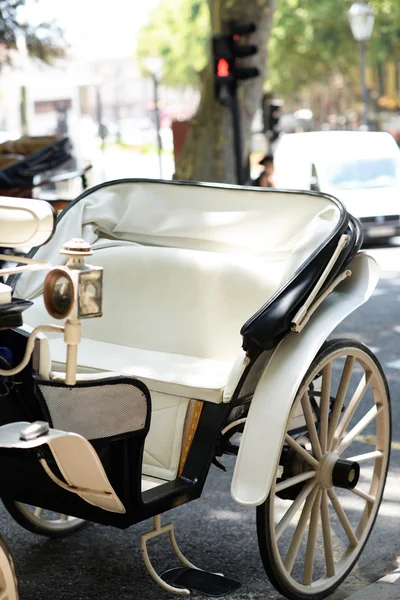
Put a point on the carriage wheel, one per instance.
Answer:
(331, 474)
(8, 579)
(41, 521)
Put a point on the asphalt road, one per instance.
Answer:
(214, 532)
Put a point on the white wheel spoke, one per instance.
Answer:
(324, 407)
(293, 509)
(357, 429)
(64, 517)
(352, 407)
(312, 540)
(38, 512)
(363, 495)
(360, 458)
(340, 396)
(296, 446)
(342, 518)
(310, 420)
(299, 532)
(326, 532)
(286, 483)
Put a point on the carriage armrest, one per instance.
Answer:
(76, 460)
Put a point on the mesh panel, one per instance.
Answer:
(96, 411)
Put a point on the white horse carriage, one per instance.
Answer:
(217, 304)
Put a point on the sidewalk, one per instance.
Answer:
(387, 588)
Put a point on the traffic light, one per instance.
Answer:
(272, 110)
(227, 48)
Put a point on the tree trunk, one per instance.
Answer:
(208, 153)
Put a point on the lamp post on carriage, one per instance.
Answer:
(362, 18)
(154, 66)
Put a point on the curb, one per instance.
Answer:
(387, 588)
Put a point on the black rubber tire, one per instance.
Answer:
(263, 512)
(18, 516)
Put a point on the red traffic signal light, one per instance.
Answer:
(223, 68)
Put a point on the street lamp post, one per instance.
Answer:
(154, 66)
(362, 18)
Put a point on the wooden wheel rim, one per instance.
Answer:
(316, 498)
(8, 580)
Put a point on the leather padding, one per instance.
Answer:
(270, 324)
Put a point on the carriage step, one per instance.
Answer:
(201, 582)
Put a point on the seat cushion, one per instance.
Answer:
(173, 380)
(173, 374)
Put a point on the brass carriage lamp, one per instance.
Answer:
(74, 292)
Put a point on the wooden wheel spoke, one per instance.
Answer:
(340, 396)
(286, 483)
(324, 407)
(312, 540)
(363, 495)
(293, 509)
(352, 407)
(300, 530)
(310, 421)
(357, 429)
(342, 518)
(326, 532)
(296, 446)
(360, 458)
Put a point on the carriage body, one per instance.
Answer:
(216, 301)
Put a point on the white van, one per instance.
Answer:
(360, 168)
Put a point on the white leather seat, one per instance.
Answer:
(172, 318)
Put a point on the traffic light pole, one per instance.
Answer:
(237, 137)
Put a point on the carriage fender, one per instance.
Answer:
(277, 387)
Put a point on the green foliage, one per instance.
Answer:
(178, 30)
(385, 42)
(43, 41)
(311, 40)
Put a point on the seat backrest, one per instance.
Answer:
(176, 300)
(180, 301)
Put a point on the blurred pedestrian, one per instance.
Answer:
(266, 177)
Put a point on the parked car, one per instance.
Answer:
(362, 169)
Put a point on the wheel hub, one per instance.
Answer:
(337, 472)
(346, 474)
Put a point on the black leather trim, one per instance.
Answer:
(273, 320)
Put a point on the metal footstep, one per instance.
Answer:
(184, 580)
(201, 582)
